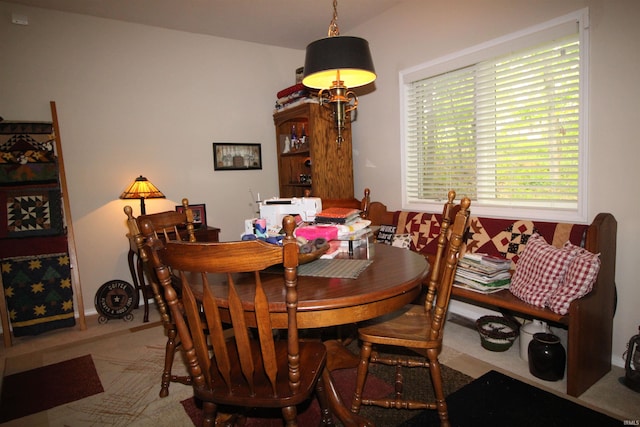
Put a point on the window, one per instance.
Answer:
(502, 123)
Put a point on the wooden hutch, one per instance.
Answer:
(309, 157)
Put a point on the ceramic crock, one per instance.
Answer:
(526, 335)
(547, 357)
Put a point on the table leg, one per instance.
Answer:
(339, 357)
(137, 274)
(144, 288)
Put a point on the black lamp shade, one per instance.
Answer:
(348, 55)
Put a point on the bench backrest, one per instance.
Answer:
(494, 236)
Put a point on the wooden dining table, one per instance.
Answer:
(392, 280)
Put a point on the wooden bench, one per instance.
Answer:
(590, 319)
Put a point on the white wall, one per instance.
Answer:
(123, 90)
(417, 31)
(134, 100)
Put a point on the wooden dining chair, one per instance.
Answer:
(169, 225)
(252, 368)
(417, 327)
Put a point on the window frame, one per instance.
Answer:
(520, 40)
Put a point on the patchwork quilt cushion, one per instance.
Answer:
(505, 238)
(540, 271)
(423, 230)
(578, 281)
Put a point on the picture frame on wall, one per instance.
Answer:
(234, 156)
(199, 214)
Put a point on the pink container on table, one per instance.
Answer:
(311, 232)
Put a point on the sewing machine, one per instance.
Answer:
(273, 210)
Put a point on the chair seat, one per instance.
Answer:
(406, 327)
(312, 356)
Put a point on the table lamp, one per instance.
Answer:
(142, 189)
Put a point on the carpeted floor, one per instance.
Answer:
(129, 365)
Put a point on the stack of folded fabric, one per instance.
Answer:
(293, 95)
(346, 220)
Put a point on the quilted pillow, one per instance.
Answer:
(539, 271)
(401, 241)
(385, 234)
(578, 281)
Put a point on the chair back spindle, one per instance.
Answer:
(449, 212)
(443, 292)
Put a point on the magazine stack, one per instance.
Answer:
(483, 273)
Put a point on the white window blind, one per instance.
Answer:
(503, 131)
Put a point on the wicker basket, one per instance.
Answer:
(496, 333)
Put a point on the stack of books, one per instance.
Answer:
(337, 216)
(483, 273)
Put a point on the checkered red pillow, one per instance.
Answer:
(539, 271)
(579, 280)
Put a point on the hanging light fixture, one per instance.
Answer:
(335, 64)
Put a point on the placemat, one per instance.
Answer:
(337, 268)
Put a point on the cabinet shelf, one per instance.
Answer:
(330, 170)
(296, 153)
(293, 184)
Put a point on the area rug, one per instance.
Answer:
(379, 384)
(497, 400)
(43, 388)
(344, 381)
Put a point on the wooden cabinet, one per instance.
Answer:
(315, 162)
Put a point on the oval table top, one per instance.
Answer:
(392, 280)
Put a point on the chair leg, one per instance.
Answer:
(363, 370)
(169, 353)
(209, 414)
(325, 410)
(436, 380)
(290, 415)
